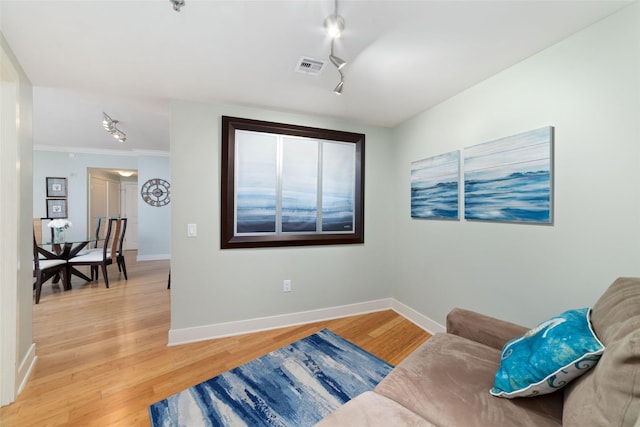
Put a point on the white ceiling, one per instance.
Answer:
(129, 58)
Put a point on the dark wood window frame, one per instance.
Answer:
(230, 239)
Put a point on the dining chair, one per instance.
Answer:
(94, 245)
(103, 257)
(122, 267)
(45, 268)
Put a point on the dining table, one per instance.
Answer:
(66, 250)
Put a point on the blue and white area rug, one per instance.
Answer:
(297, 385)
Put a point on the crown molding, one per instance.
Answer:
(101, 151)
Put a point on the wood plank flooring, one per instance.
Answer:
(103, 355)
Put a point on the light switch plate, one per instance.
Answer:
(192, 230)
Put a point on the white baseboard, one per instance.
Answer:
(26, 366)
(155, 257)
(220, 330)
(419, 319)
(227, 329)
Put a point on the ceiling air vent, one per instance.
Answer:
(310, 66)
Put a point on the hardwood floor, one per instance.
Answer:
(103, 355)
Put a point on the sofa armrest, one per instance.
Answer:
(484, 329)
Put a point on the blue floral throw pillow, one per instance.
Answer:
(547, 357)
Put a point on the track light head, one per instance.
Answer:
(119, 135)
(334, 25)
(177, 4)
(338, 89)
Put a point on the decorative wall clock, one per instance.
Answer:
(156, 192)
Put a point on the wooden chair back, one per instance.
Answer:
(37, 230)
(99, 228)
(114, 237)
(123, 230)
(36, 255)
(39, 225)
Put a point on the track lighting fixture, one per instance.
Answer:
(334, 24)
(177, 4)
(109, 125)
(338, 62)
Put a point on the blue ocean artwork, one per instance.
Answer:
(510, 179)
(293, 185)
(256, 212)
(337, 213)
(256, 180)
(434, 187)
(338, 186)
(299, 185)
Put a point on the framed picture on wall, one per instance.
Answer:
(434, 187)
(289, 185)
(56, 187)
(56, 208)
(511, 179)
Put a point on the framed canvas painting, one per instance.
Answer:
(511, 179)
(56, 208)
(56, 187)
(289, 185)
(434, 187)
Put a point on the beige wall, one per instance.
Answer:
(211, 286)
(588, 87)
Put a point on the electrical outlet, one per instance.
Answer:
(286, 286)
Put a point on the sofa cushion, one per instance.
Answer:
(447, 379)
(548, 356)
(373, 410)
(609, 394)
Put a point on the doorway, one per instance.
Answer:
(114, 192)
(129, 210)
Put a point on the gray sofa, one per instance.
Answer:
(446, 381)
